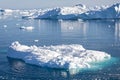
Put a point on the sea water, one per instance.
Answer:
(100, 35)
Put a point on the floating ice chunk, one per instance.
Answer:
(5, 26)
(36, 40)
(61, 56)
(22, 27)
(27, 28)
(6, 12)
(17, 24)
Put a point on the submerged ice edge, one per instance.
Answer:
(60, 56)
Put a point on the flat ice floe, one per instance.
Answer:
(27, 28)
(61, 56)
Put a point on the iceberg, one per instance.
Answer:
(112, 12)
(6, 11)
(72, 56)
(76, 12)
(64, 13)
(82, 12)
(28, 14)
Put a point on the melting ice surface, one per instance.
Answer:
(72, 56)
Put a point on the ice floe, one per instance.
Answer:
(27, 28)
(60, 56)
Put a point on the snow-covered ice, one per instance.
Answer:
(60, 56)
(63, 13)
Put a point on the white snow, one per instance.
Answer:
(60, 56)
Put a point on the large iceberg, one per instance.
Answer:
(63, 13)
(76, 12)
(112, 12)
(82, 12)
(72, 56)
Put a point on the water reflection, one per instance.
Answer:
(87, 28)
(17, 65)
(72, 28)
(117, 31)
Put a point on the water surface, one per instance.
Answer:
(102, 35)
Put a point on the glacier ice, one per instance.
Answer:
(76, 12)
(64, 13)
(60, 56)
(82, 12)
(112, 12)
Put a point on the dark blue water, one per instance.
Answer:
(102, 35)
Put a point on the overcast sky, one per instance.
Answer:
(30, 4)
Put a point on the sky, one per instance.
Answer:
(36, 4)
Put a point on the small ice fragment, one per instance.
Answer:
(5, 26)
(36, 40)
(60, 20)
(22, 27)
(17, 24)
(27, 28)
(109, 26)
